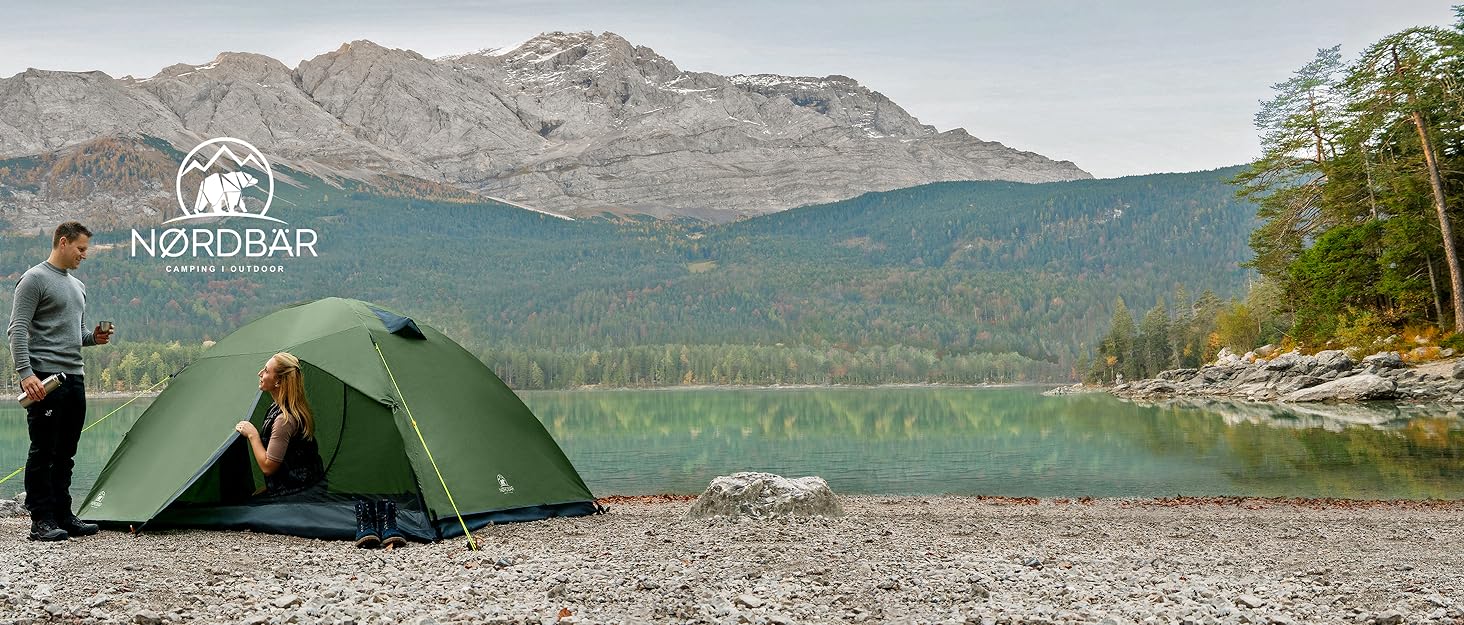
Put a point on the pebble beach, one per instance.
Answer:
(886, 560)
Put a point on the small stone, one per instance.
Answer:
(890, 584)
(1250, 601)
(1391, 617)
(284, 601)
(557, 590)
(146, 617)
(750, 601)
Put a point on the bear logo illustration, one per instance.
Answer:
(224, 193)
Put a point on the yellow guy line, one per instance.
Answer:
(472, 544)
(94, 423)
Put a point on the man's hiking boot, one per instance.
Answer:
(366, 533)
(76, 527)
(43, 528)
(390, 535)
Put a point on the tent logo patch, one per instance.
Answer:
(503, 486)
(97, 501)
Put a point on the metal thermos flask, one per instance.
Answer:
(49, 383)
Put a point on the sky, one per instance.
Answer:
(1120, 87)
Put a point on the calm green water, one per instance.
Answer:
(1009, 441)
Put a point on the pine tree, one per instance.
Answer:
(1410, 80)
(1154, 341)
(1299, 128)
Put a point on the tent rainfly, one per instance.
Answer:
(401, 412)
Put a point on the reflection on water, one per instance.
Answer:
(1334, 417)
(1008, 441)
(107, 421)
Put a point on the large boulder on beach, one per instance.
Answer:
(764, 495)
(1352, 388)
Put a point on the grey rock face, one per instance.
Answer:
(566, 121)
(254, 97)
(1283, 362)
(1458, 371)
(1334, 360)
(1292, 377)
(766, 495)
(1291, 385)
(1352, 388)
(1384, 360)
(42, 111)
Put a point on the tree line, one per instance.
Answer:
(1358, 191)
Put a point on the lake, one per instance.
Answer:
(968, 441)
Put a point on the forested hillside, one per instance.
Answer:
(951, 282)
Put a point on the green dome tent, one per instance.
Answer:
(401, 412)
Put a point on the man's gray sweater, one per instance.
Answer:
(47, 329)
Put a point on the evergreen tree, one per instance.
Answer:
(1154, 340)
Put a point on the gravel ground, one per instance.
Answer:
(917, 560)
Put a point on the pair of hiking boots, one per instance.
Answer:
(376, 525)
(45, 528)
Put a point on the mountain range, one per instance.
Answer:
(575, 123)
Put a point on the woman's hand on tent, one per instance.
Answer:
(247, 429)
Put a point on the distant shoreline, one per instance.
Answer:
(697, 387)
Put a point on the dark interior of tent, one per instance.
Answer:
(361, 451)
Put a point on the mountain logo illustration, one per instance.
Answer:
(222, 178)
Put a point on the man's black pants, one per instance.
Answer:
(55, 426)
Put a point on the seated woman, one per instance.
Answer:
(284, 446)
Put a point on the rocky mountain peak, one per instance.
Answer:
(571, 122)
(37, 76)
(226, 67)
(356, 56)
(841, 98)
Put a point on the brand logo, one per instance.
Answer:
(96, 502)
(218, 177)
(224, 179)
(503, 486)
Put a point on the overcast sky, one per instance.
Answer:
(1119, 87)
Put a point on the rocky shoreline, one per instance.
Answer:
(1328, 376)
(886, 560)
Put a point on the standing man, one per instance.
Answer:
(46, 337)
